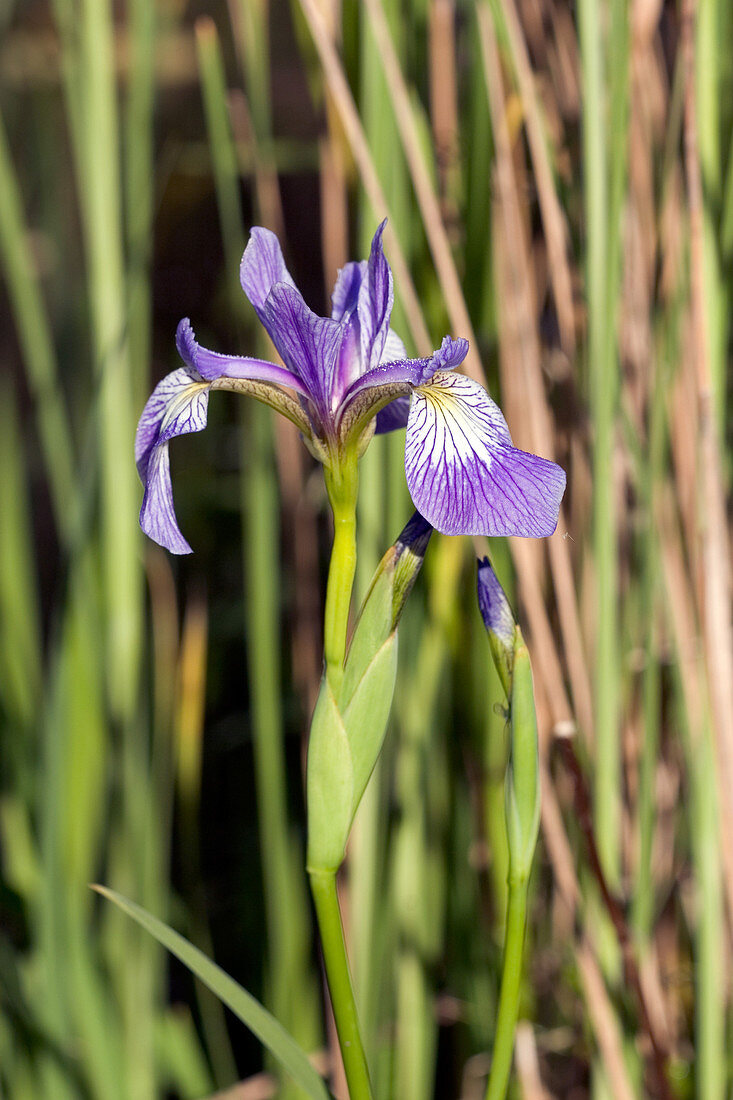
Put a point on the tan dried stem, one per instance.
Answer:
(522, 370)
(338, 85)
(553, 218)
(427, 200)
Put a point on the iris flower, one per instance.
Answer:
(345, 377)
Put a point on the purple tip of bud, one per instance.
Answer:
(494, 606)
(414, 536)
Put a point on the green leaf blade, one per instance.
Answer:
(260, 1022)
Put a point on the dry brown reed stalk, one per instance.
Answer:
(338, 86)
(332, 174)
(334, 204)
(527, 1063)
(657, 1058)
(521, 370)
(553, 219)
(520, 358)
(715, 550)
(444, 105)
(600, 1010)
(424, 191)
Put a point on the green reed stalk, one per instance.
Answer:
(291, 990)
(223, 155)
(140, 189)
(710, 929)
(601, 215)
(36, 340)
(290, 980)
(101, 205)
(88, 64)
(21, 652)
(652, 476)
(370, 926)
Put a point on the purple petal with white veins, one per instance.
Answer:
(376, 298)
(212, 365)
(177, 406)
(157, 515)
(309, 344)
(464, 474)
(167, 394)
(262, 267)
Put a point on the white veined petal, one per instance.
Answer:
(157, 514)
(178, 406)
(186, 413)
(464, 474)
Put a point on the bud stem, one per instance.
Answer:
(501, 1062)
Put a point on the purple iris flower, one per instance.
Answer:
(344, 377)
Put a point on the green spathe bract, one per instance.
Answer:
(347, 732)
(330, 784)
(522, 780)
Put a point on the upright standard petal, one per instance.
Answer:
(362, 300)
(376, 298)
(463, 472)
(309, 344)
(262, 267)
(177, 406)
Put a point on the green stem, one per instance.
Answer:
(341, 484)
(325, 896)
(501, 1062)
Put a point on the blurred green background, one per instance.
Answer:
(559, 183)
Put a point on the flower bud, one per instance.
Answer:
(499, 622)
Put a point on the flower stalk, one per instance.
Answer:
(342, 486)
(342, 480)
(522, 818)
(328, 914)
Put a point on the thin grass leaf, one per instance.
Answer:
(267, 1029)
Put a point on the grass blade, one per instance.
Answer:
(267, 1029)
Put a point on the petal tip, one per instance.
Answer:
(186, 342)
